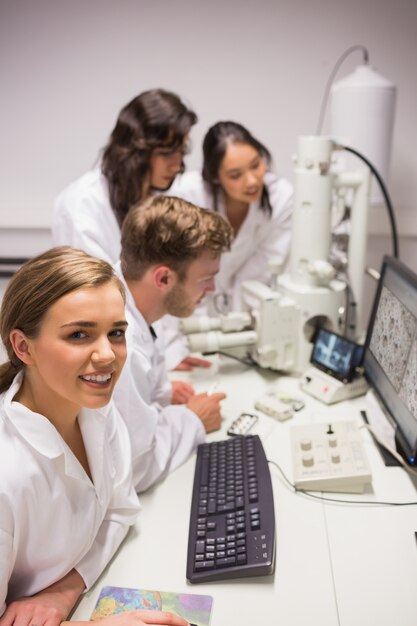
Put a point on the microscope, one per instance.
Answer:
(278, 321)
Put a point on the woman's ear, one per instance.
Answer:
(21, 346)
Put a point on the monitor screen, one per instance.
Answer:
(335, 355)
(390, 358)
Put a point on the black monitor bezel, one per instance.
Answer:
(406, 449)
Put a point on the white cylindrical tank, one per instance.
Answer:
(312, 207)
(362, 109)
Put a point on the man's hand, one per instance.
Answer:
(190, 362)
(181, 392)
(208, 409)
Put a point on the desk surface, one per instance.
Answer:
(336, 564)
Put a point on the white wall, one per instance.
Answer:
(67, 67)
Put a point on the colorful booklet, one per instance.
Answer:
(196, 609)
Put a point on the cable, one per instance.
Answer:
(331, 79)
(249, 361)
(394, 453)
(336, 500)
(386, 197)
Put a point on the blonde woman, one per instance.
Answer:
(66, 493)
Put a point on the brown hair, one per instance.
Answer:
(36, 286)
(171, 231)
(153, 119)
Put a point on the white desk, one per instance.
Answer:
(336, 564)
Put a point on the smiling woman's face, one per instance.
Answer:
(241, 173)
(79, 352)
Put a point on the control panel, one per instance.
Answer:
(329, 457)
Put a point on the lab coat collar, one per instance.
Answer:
(33, 427)
(252, 217)
(140, 331)
(93, 425)
(41, 435)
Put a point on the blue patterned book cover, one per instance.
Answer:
(196, 609)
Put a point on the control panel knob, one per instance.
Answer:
(307, 460)
(305, 444)
(332, 442)
(335, 457)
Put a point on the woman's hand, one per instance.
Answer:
(141, 617)
(39, 610)
(48, 607)
(36, 611)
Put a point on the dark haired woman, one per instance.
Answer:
(144, 153)
(237, 182)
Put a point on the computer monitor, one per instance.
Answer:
(390, 358)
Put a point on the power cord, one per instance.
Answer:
(330, 80)
(248, 360)
(383, 188)
(308, 494)
(386, 197)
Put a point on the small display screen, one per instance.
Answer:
(336, 355)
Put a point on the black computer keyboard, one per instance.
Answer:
(232, 521)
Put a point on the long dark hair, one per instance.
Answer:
(215, 144)
(154, 119)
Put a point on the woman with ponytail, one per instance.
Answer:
(66, 493)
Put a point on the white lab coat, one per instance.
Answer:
(163, 435)
(52, 517)
(260, 238)
(83, 218)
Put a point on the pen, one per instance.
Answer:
(212, 388)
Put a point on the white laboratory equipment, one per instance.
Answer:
(329, 457)
(277, 322)
(362, 112)
(329, 389)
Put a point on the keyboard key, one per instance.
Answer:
(203, 565)
(200, 547)
(227, 561)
